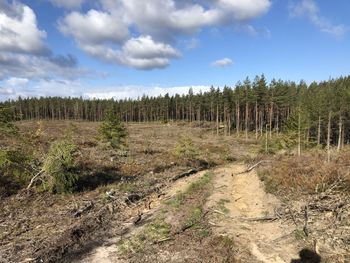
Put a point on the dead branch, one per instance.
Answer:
(185, 174)
(35, 177)
(305, 229)
(164, 240)
(260, 219)
(249, 169)
(86, 208)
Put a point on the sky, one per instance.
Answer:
(127, 48)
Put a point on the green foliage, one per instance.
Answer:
(194, 187)
(6, 122)
(14, 170)
(185, 149)
(59, 166)
(112, 131)
(194, 217)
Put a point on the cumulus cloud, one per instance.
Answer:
(74, 88)
(69, 4)
(155, 25)
(310, 9)
(13, 82)
(133, 92)
(19, 31)
(221, 63)
(35, 67)
(6, 91)
(94, 27)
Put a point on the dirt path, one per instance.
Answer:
(108, 252)
(235, 201)
(242, 198)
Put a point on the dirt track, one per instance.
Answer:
(245, 203)
(247, 206)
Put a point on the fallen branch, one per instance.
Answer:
(86, 208)
(265, 218)
(249, 169)
(32, 181)
(164, 240)
(305, 229)
(185, 174)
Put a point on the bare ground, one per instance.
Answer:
(237, 209)
(246, 209)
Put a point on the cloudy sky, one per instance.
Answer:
(126, 48)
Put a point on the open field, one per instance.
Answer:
(48, 226)
(176, 193)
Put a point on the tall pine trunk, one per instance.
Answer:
(329, 137)
(217, 119)
(340, 133)
(256, 120)
(246, 119)
(238, 118)
(299, 134)
(319, 131)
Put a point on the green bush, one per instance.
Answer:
(185, 149)
(14, 171)
(112, 131)
(7, 128)
(58, 168)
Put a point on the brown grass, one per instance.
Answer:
(307, 174)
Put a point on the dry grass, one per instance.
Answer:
(44, 218)
(307, 174)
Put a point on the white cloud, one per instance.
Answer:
(310, 9)
(6, 91)
(124, 92)
(13, 82)
(225, 62)
(156, 25)
(23, 66)
(69, 4)
(95, 27)
(74, 88)
(18, 29)
(192, 43)
(253, 31)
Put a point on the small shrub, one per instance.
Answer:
(185, 149)
(7, 128)
(112, 131)
(59, 166)
(14, 171)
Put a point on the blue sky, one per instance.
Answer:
(125, 48)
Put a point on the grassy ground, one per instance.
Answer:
(180, 232)
(38, 224)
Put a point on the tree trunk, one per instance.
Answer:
(299, 134)
(319, 131)
(340, 133)
(246, 120)
(329, 137)
(217, 119)
(256, 120)
(237, 119)
(270, 119)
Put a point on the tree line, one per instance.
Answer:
(318, 112)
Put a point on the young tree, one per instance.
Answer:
(113, 131)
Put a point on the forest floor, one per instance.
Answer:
(163, 208)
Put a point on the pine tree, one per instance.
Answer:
(113, 131)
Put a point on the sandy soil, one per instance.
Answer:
(245, 203)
